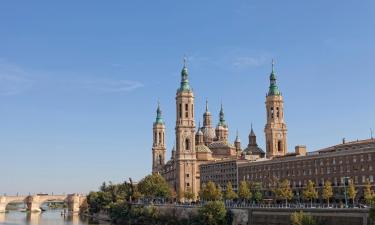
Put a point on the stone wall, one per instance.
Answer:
(266, 216)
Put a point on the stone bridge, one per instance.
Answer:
(34, 202)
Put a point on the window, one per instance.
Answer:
(272, 112)
(187, 175)
(279, 146)
(187, 144)
(159, 137)
(186, 110)
(188, 184)
(363, 179)
(160, 160)
(369, 157)
(277, 112)
(354, 159)
(180, 111)
(371, 178)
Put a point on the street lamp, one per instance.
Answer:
(346, 179)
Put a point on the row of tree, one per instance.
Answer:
(283, 191)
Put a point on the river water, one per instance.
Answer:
(49, 217)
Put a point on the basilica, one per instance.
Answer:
(199, 145)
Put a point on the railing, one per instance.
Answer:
(245, 205)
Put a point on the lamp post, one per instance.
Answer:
(346, 179)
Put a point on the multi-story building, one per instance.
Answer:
(195, 147)
(205, 154)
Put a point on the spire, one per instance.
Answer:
(273, 90)
(221, 117)
(184, 77)
(237, 137)
(159, 118)
(206, 105)
(199, 131)
(252, 131)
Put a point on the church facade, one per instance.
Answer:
(198, 145)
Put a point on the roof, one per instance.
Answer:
(202, 148)
(220, 144)
(253, 149)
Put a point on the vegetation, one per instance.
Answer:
(189, 195)
(300, 218)
(213, 213)
(283, 191)
(352, 192)
(310, 192)
(229, 193)
(244, 191)
(327, 191)
(154, 186)
(256, 190)
(210, 192)
(368, 193)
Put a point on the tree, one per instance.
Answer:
(256, 191)
(218, 194)
(327, 191)
(310, 192)
(154, 186)
(283, 191)
(244, 192)
(368, 193)
(229, 193)
(210, 192)
(213, 213)
(189, 195)
(352, 192)
(300, 218)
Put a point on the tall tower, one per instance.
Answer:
(158, 146)
(207, 129)
(186, 166)
(222, 127)
(275, 129)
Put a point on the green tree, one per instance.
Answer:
(283, 191)
(244, 191)
(256, 189)
(189, 195)
(327, 191)
(352, 192)
(210, 192)
(310, 192)
(154, 186)
(300, 218)
(229, 193)
(213, 213)
(368, 193)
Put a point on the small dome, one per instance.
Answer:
(202, 148)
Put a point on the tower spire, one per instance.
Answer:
(221, 116)
(273, 90)
(206, 105)
(159, 118)
(184, 77)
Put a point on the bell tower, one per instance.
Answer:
(158, 146)
(186, 167)
(275, 129)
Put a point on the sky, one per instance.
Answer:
(80, 80)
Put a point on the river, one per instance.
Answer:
(49, 217)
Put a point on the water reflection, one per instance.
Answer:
(33, 218)
(2, 218)
(50, 217)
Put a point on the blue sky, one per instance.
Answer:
(80, 80)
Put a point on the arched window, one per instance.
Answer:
(277, 112)
(160, 160)
(159, 137)
(187, 144)
(279, 146)
(186, 110)
(180, 111)
(272, 112)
